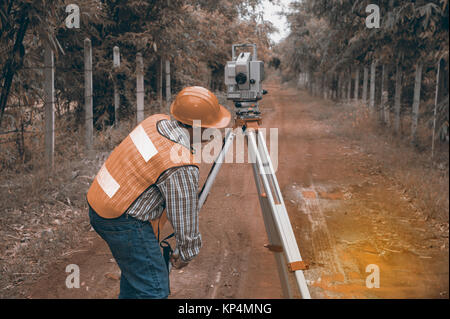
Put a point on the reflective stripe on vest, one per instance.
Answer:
(107, 182)
(143, 143)
(133, 166)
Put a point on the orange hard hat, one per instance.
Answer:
(198, 103)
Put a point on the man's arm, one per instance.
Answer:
(179, 187)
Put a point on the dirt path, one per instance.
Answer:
(345, 212)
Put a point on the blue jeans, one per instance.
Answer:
(136, 250)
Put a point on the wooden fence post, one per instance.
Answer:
(139, 88)
(373, 70)
(338, 86)
(331, 86)
(382, 99)
(159, 82)
(349, 85)
(385, 95)
(416, 101)
(168, 94)
(314, 85)
(335, 87)
(116, 64)
(323, 86)
(436, 100)
(355, 95)
(365, 84)
(398, 96)
(49, 102)
(88, 105)
(310, 82)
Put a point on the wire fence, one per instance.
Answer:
(34, 116)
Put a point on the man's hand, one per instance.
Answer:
(176, 260)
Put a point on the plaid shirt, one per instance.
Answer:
(175, 190)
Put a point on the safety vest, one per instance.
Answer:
(134, 166)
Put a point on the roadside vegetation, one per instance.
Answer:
(390, 83)
(43, 214)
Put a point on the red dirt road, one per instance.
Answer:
(345, 212)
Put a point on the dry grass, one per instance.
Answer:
(426, 181)
(43, 216)
(110, 137)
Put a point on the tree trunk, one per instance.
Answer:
(139, 88)
(373, 70)
(355, 95)
(10, 68)
(398, 96)
(344, 87)
(338, 87)
(385, 95)
(365, 84)
(310, 84)
(88, 99)
(443, 81)
(329, 86)
(316, 87)
(349, 86)
(116, 64)
(382, 99)
(49, 96)
(159, 82)
(416, 101)
(324, 86)
(436, 100)
(168, 94)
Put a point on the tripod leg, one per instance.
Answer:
(228, 141)
(272, 234)
(275, 216)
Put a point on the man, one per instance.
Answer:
(141, 178)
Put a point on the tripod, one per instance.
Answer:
(276, 220)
